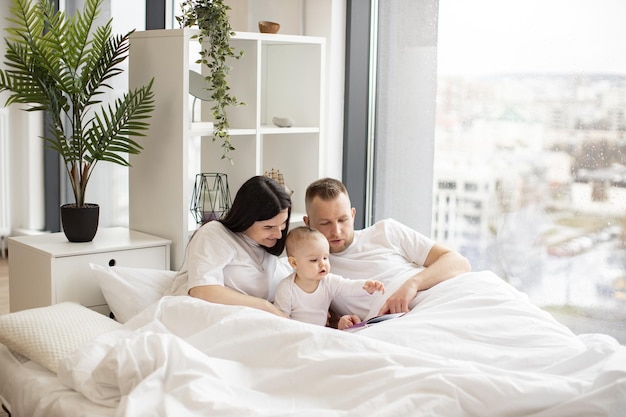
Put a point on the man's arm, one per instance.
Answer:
(441, 264)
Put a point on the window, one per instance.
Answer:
(530, 99)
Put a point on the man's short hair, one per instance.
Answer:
(326, 189)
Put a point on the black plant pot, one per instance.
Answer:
(80, 224)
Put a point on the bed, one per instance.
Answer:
(473, 346)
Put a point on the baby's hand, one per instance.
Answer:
(371, 286)
(347, 321)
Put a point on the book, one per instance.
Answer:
(373, 320)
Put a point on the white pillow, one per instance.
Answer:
(129, 291)
(46, 335)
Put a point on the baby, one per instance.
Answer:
(306, 294)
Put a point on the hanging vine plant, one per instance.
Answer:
(215, 31)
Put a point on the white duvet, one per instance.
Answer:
(473, 346)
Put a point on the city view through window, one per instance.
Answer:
(530, 159)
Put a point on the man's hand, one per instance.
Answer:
(398, 302)
(347, 321)
(441, 264)
(372, 286)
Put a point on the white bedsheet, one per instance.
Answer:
(473, 346)
(28, 389)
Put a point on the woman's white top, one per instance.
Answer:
(313, 307)
(217, 256)
(387, 251)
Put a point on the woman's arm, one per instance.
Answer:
(224, 295)
(441, 264)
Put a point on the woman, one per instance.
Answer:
(235, 260)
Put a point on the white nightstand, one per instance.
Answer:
(48, 269)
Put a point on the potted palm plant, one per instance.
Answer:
(62, 64)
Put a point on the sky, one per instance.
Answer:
(539, 36)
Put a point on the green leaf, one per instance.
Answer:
(215, 31)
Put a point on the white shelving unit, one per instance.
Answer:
(278, 76)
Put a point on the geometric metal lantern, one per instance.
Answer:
(211, 197)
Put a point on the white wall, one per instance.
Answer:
(328, 18)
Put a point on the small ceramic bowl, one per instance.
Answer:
(268, 27)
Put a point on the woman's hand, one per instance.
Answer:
(271, 308)
(347, 321)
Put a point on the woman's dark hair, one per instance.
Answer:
(260, 198)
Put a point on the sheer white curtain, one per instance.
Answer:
(405, 112)
(23, 161)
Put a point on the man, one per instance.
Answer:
(404, 260)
